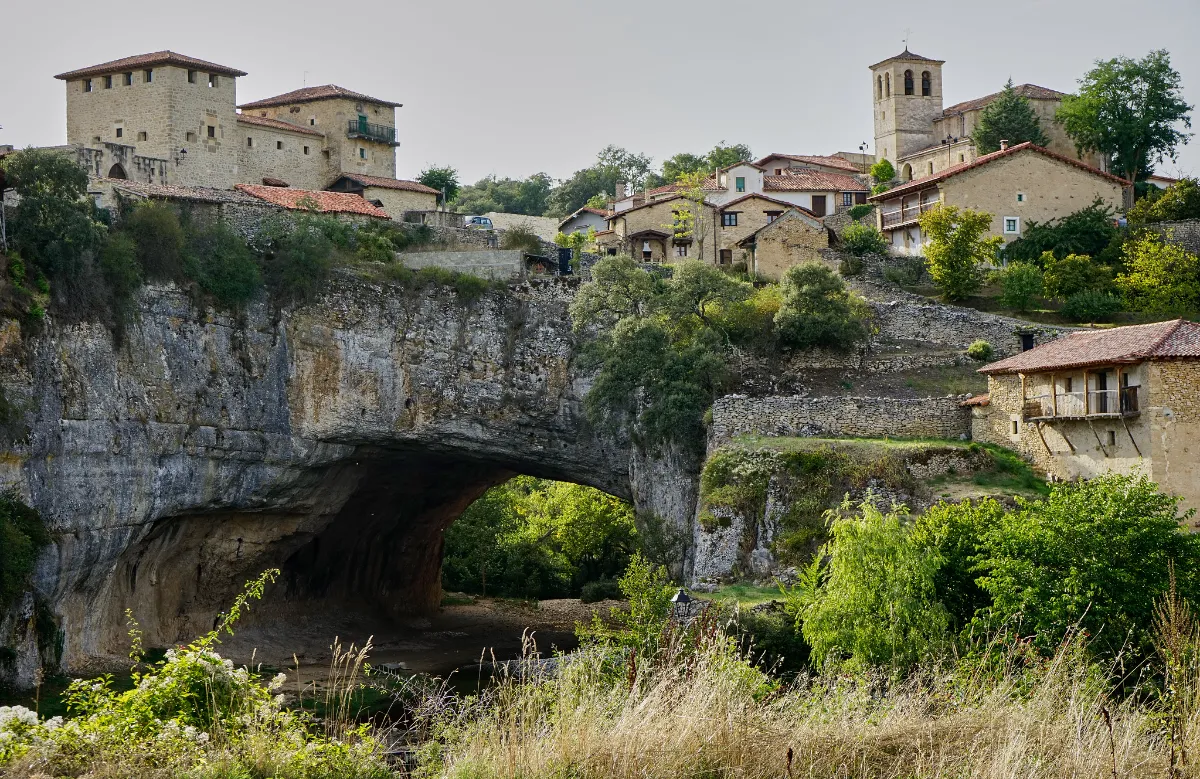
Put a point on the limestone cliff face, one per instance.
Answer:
(336, 441)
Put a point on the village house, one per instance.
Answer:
(168, 119)
(793, 238)
(922, 138)
(647, 232)
(819, 192)
(1016, 185)
(1121, 400)
(583, 220)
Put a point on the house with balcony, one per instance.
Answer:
(1016, 185)
(1119, 400)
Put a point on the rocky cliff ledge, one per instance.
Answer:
(335, 441)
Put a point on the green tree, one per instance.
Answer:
(222, 264)
(613, 164)
(1094, 553)
(1020, 283)
(1009, 117)
(1074, 273)
(863, 239)
(1088, 231)
(679, 165)
(507, 196)
(53, 225)
(444, 179)
(1179, 201)
(818, 310)
(958, 243)
(723, 155)
(118, 263)
(883, 174)
(159, 238)
(701, 291)
(1130, 110)
(691, 215)
(299, 257)
(1160, 277)
(876, 604)
(620, 288)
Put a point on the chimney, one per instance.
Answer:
(619, 193)
(1003, 144)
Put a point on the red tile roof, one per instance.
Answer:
(1175, 339)
(917, 185)
(149, 60)
(327, 202)
(663, 189)
(386, 183)
(907, 55)
(978, 400)
(276, 124)
(1027, 91)
(800, 213)
(658, 202)
(813, 159)
(741, 162)
(800, 180)
(309, 94)
(783, 203)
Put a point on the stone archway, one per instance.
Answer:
(906, 172)
(117, 171)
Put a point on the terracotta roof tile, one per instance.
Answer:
(327, 202)
(1177, 338)
(149, 60)
(799, 180)
(277, 124)
(386, 183)
(585, 210)
(978, 400)
(917, 185)
(1027, 91)
(309, 94)
(906, 55)
(813, 159)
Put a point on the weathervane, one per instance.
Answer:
(907, 35)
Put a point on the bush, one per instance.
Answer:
(375, 247)
(860, 240)
(980, 351)
(1160, 277)
(907, 272)
(1179, 201)
(298, 260)
(818, 310)
(159, 238)
(522, 237)
(882, 172)
(1074, 273)
(859, 211)
(602, 589)
(1020, 283)
(1087, 231)
(1091, 306)
(221, 263)
(120, 266)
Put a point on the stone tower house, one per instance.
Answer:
(908, 100)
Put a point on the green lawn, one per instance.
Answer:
(743, 594)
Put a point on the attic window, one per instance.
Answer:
(147, 75)
(127, 79)
(191, 77)
(108, 82)
(739, 183)
(87, 85)
(212, 80)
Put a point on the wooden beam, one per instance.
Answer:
(1022, 375)
(1086, 394)
(1053, 396)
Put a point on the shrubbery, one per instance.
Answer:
(1160, 277)
(1091, 305)
(817, 310)
(958, 243)
(1074, 273)
(980, 351)
(861, 240)
(22, 535)
(1020, 284)
(859, 211)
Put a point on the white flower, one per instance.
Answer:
(202, 738)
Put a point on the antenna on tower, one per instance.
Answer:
(907, 35)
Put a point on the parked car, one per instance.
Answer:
(477, 223)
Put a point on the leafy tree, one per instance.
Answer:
(723, 155)
(119, 264)
(1129, 110)
(883, 174)
(53, 225)
(1072, 274)
(679, 165)
(159, 239)
(221, 263)
(613, 164)
(444, 179)
(299, 257)
(691, 216)
(1179, 201)
(1160, 277)
(1094, 553)
(507, 196)
(957, 244)
(620, 288)
(861, 240)
(701, 291)
(876, 602)
(957, 531)
(1091, 305)
(1020, 283)
(818, 310)
(1088, 231)
(1009, 117)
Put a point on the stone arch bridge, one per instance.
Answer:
(335, 441)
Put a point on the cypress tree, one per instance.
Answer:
(1009, 117)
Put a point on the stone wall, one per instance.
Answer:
(498, 264)
(735, 415)
(1185, 233)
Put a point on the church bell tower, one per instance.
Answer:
(907, 91)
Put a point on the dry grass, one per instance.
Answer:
(713, 716)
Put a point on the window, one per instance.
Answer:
(729, 219)
(962, 158)
(879, 87)
(860, 198)
(212, 131)
(931, 169)
(726, 256)
(142, 135)
(212, 80)
(739, 183)
(147, 75)
(87, 85)
(779, 171)
(887, 84)
(1069, 384)
(1112, 437)
(926, 84)
(312, 120)
(1012, 225)
(306, 150)
(681, 249)
(191, 137)
(127, 79)
(108, 82)
(278, 144)
(1020, 197)
(120, 132)
(908, 82)
(772, 215)
(847, 198)
(249, 142)
(362, 153)
(191, 77)
(646, 252)
(1016, 427)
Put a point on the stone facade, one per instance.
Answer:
(789, 240)
(904, 123)
(735, 415)
(293, 156)
(399, 201)
(645, 233)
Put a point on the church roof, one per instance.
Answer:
(139, 61)
(309, 94)
(1027, 91)
(909, 56)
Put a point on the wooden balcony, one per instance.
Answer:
(1093, 404)
(906, 215)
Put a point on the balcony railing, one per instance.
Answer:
(379, 133)
(900, 216)
(1078, 405)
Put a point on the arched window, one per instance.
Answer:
(906, 172)
(887, 84)
(117, 172)
(879, 88)
(926, 84)
(908, 82)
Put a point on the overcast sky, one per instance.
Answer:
(513, 87)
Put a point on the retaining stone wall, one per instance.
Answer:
(735, 415)
(498, 264)
(1185, 233)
